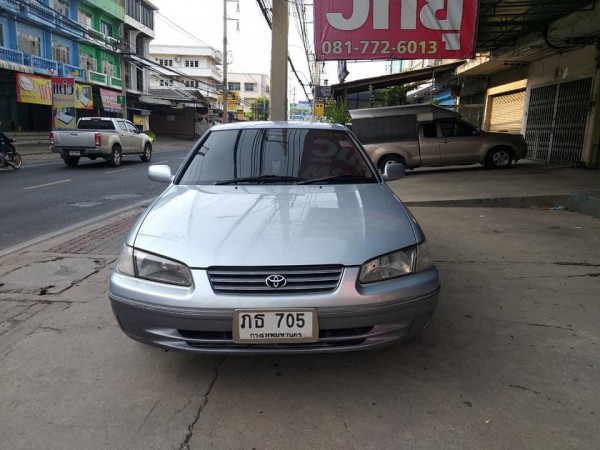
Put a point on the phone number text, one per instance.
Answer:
(379, 47)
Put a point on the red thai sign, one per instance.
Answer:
(394, 29)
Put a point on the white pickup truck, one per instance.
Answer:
(101, 137)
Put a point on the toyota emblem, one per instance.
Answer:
(275, 281)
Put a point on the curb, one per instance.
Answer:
(534, 201)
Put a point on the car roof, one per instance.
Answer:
(279, 125)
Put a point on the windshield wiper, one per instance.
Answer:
(261, 178)
(350, 179)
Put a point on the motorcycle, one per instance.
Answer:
(10, 157)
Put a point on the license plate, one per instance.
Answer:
(281, 326)
(74, 153)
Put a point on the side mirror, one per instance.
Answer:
(161, 173)
(394, 171)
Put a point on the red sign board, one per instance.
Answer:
(394, 29)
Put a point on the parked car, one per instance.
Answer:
(101, 137)
(429, 135)
(275, 237)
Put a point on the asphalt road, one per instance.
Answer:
(45, 196)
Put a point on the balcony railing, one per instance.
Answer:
(97, 77)
(66, 70)
(13, 56)
(41, 65)
(115, 82)
(10, 5)
(46, 16)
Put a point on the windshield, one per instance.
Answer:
(277, 156)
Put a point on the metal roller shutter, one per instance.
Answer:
(556, 121)
(507, 112)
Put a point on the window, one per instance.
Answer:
(106, 29)
(234, 86)
(28, 43)
(87, 61)
(250, 87)
(122, 125)
(108, 68)
(166, 62)
(1, 36)
(84, 19)
(61, 53)
(191, 63)
(430, 130)
(166, 82)
(61, 7)
(456, 129)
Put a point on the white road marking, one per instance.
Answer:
(47, 184)
(159, 162)
(118, 170)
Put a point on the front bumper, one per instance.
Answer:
(365, 317)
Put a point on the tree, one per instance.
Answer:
(395, 95)
(260, 109)
(336, 112)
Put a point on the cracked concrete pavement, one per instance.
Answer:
(509, 361)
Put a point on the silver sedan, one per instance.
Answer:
(275, 237)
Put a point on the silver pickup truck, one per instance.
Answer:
(101, 137)
(429, 135)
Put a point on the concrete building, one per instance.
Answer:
(545, 86)
(188, 69)
(44, 38)
(138, 32)
(249, 87)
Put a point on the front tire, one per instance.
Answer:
(147, 155)
(17, 161)
(71, 161)
(117, 156)
(390, 159)
(499, 158)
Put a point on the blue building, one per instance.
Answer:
(45, 38)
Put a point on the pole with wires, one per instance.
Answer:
(225, 90)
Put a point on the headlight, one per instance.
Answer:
(396, 264)
(136, 263)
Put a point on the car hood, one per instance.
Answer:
(207, 226)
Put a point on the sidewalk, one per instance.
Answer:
(509, 358)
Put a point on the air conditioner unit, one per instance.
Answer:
(177, 59)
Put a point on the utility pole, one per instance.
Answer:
(279, 59)
(225, 90)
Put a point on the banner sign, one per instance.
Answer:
(34, 89)
(110, 100)
(394, 29)
(63, 103)
(84, 99)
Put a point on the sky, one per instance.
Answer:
(250, 47)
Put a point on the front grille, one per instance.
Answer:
(327, 338)
(253, 281)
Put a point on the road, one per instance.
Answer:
(46, 196)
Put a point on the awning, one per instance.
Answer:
(14, 66)
(410, 76)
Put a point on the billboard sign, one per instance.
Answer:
(63, 103)
(110, 101)
(394, 29)
(34, 89)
